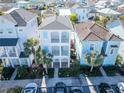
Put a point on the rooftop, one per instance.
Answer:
(56, 23)
(91, 31)
(8, 41)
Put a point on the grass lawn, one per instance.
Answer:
(111, 70)
(7, 73)
(50, 72)
(69, 72)
(86, 71)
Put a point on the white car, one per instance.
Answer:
(30, 88)
(120, 87)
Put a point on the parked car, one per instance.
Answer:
(77, 90)
(120, 87)
(30, 88)
(60, 87)
(105, 88)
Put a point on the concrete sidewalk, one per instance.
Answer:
(86, 81)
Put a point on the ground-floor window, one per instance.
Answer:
(64, 63)
(56, 63)
(24, 61)
(15, 62)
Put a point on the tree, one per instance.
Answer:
(1, 13)
(47, 59)
(119, 60)
(93, 59)
(29, 47)
(73, 17)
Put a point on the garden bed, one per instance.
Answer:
(86, 70)
(69, 72)
(7, 73)
(111, 70)
(50, 72)
(28, 73)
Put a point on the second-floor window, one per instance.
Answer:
(64, 50)
(55, 51)
(64, 37)
(55, 37)
(92, 47)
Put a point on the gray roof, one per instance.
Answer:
(8, 41)
(56, 23)
(20, 16)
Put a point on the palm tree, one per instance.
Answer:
(29, 47)
(47, 59)
(93, 59)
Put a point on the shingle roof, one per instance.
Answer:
(8, 41)
(90, 31)
(56, 23)
(19, 16)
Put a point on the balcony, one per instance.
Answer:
(3, 55)
(12, 54)
(54, 40)
(65, 40)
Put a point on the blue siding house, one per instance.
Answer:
(90, 36)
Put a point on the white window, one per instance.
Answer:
(55, 50)
(9, 30)
(55, 37)
(65, 37)
(92, 46)
(111, 50)
(64, 50)
(1, 31)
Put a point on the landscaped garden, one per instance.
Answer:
(50, 72)
(111, 70)
(25, 72)
(86, 70)
(7, 73)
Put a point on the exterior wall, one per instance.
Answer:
(7, 29)
(30, 31)
(86, 48)
(111, 57)
(46, 42)
(78, 46)
(82, 14)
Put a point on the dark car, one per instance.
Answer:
(105, 88)
(76, 90)
(60, 87)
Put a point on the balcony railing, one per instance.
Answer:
(3, 55)
(54, 40)
(12, 54)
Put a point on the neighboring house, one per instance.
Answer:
(55, 39)
(16, 27)
(117, 27)
(82, 11)
(90, 36)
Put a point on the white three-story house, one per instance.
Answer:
(55, 39)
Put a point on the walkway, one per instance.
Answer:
(14, 74)
(56, 70)
(103, 72)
